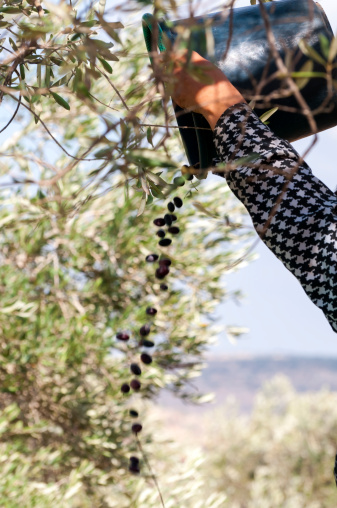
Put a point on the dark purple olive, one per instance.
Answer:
(159, 222)
(165, 262)
(163, 287)
(133, 413)
(125, 388)
(165, 242)
(122, 336)
(151, 258)
(167, 219)
(135, 385)
(151, 311)
(173, 217)
(171, 207)
(146, 343)
(159, 275)
(136, 427)
(144, 330)
(135, 369)
(173, 230)
(134, 460)
(145, 358)
(133, 468)
(162, 271)
(178, 202)
(161, 233)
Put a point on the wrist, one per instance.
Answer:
(220, 97)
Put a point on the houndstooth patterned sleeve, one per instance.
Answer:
(293, 212)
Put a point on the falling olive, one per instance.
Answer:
(163, 287)
(135, 384)
(165, 242)
(162, 271)
(159, 275)
(144, 330)
(122, 336)
(136, 427)
(145, 358)
(165, 262)
(168, 219)
(135, 369)
(133, 413)
(133, 468)
(161, 233)
(159, 222)
(178, 202)
(151, 311)
(173, 217)
(125, 388)
(134, 465)
(171, 207)
(146, 343)
(173, 230)
(151, 258)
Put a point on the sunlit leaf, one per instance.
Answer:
(333, 49)
(311, 52)
(157, 180)
(142, 205)
(268, 114)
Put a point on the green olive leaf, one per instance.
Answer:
(57, 98)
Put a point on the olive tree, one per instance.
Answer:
(84, 173)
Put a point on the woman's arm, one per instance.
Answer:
(293, 211)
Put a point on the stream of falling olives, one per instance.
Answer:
(163, 264)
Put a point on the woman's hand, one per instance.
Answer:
(210, 95)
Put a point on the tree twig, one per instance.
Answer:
(14, 115)
(153, 476)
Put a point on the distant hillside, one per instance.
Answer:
(243, 377)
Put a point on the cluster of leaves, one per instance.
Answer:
(60, 70)
(53, 51)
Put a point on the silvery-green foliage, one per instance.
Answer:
(282, 456)
(78, 168)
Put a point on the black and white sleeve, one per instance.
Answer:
(293, 212)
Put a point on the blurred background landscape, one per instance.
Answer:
(239, 380)
(242, 377)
